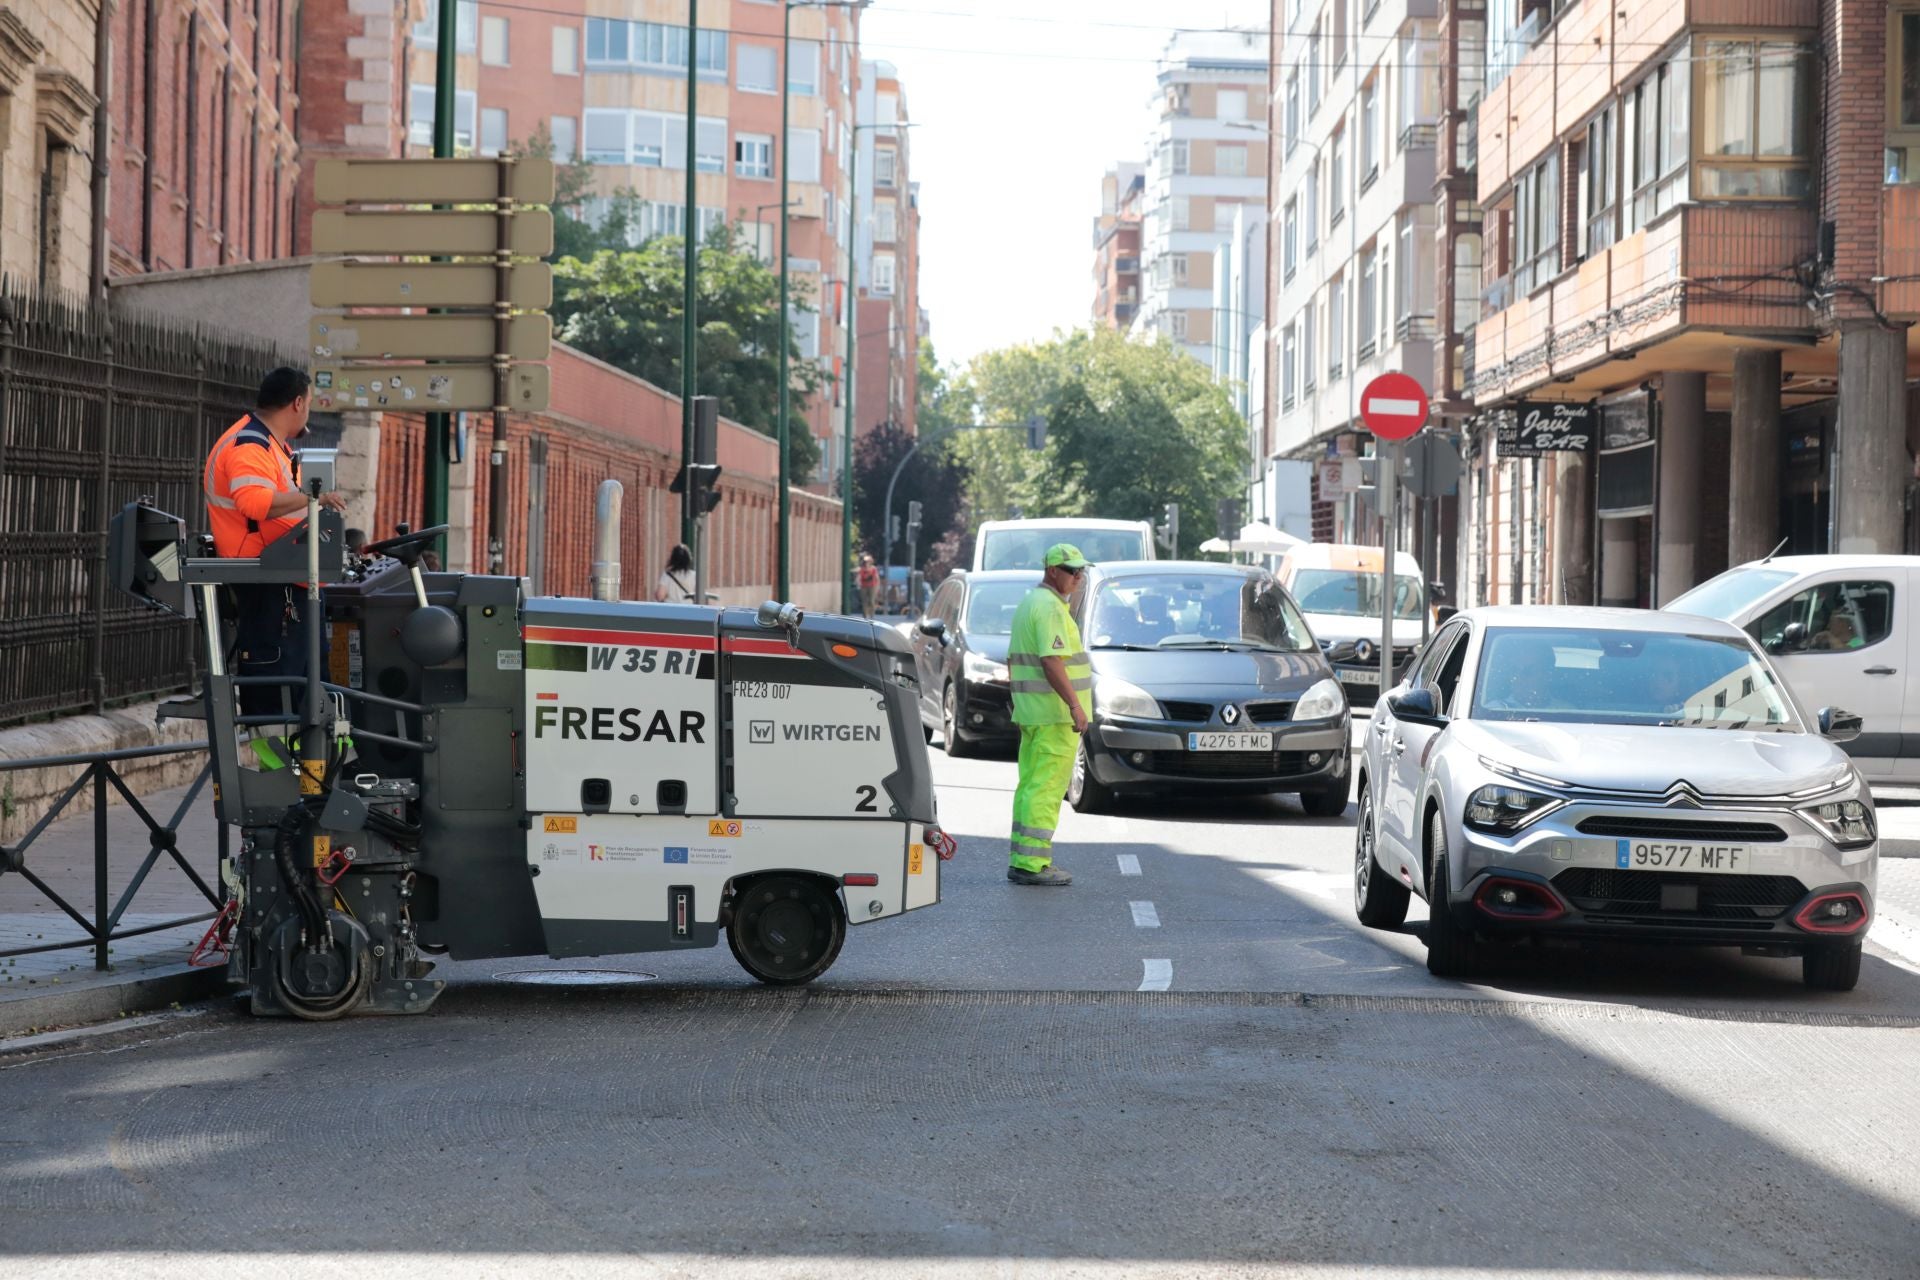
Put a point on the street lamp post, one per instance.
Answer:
(689, 356)
(853, 345)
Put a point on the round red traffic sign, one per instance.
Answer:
(1394, 406)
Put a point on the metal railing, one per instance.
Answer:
(162, 838)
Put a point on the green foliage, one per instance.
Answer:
(1130, 425)
(624, 306)
(935, 478)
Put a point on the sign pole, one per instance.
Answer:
(1390, 518)
(433, 505)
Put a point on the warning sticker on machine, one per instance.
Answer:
(506, 660)
(565, 826)
(725, 828)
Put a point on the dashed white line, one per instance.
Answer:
(1157, 975)
(1129, 863)
(1144, 916)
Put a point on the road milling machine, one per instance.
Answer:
(475, 772)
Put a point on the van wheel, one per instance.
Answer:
(1832, 968)
(786, 929)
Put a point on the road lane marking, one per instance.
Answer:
(1129, 864)
(1157, 975)
(1144, 916)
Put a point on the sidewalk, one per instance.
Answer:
(1898, 927)
(148, 971)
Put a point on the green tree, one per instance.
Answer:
(1130, 425)
(935, 478)
(624, 307)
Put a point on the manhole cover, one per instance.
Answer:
(575, 977)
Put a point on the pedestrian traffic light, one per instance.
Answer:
(1036, 432)
(703, 472)
(1228, 514)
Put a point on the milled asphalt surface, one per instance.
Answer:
(979, 1089)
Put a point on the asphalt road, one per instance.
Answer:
(983, 1088)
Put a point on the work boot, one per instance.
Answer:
(1048, 876)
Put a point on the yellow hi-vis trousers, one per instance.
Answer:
(1046, 767)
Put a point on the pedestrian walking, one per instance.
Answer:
(1052, 702)
(868, 580)
(676, 580)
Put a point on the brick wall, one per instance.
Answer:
(1853, 125)
(353, 95)
(605, 424)
(204, 160)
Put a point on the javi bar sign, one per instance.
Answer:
(1539, 427)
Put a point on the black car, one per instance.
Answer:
(960, 650)
(1206, 679)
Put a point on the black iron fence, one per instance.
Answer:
(97, 408)
(97, 771)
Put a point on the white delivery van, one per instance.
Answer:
(1337, 586)
(1842, 631)
(1022, 544)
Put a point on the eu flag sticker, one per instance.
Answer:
(1620, 854)
(676, 855)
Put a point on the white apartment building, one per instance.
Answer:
(1205, 161)
(1353, 117)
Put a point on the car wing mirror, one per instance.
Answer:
(1837, 725)
(933, 627)
(1792, 640)
(1417, 706)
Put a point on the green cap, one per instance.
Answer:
(1065, 555)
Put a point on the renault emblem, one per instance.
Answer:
(1363, 650)
(1230, 714)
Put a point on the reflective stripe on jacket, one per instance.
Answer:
(246, 458)
(1042, 628)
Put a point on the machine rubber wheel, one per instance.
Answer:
(1452, 952)
(786, 930)
(1086, 793)
(1331, 802)
(1379, 900)
(957, 746)
(1832, 968)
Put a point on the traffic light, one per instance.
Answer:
(913, 525)
(703, 473)
(1168, 531)
(1036, 432)
(1228, 514)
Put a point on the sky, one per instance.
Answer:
(1022, 105)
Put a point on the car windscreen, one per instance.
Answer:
(1730, 594)
(1027, 548)
(1195, 610)
(990, 612)
(1354, 594)
(1601, 676)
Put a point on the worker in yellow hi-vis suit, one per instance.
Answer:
(1052, 702)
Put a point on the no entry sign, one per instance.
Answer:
(1394, 406)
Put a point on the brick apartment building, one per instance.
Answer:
(198, 166)
(1116, 246)
(1700, 218)
(886, 357)
(607, 82)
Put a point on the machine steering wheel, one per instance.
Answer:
(406, 547)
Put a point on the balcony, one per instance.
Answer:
(1415, 329)
(1626, 301)
(1416, 136)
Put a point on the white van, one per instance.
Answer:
(1839, 630)
(1337, 586)
(1022, 544)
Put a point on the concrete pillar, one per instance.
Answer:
(1753, 494)
(356, 470)
(1572, 570)
(1676, 521)
(1619, 563)
(1872, 465)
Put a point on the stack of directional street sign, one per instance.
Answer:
(465, 330)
